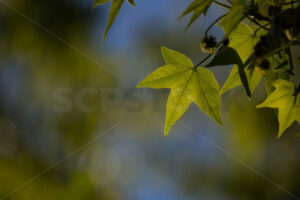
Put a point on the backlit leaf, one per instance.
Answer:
(283, 98)
(242, 39)
(234, 17)
(187, 85)
(228, 56)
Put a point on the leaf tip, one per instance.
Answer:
(99, 3)
(103, 40)
(260, 105)
(163, 49)
(167, 129)
(139, 85)
(281, 131)
(187, 27)
(104, 36)
(220, 122)
(131, 2)
(279, 136)
(181, 16)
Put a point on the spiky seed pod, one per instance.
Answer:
(261, 47)
(209, 44)
(263, 65)
(259, 50)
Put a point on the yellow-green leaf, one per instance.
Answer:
(114, 10)
(242, 39)
(234, 17)
(187, 85)
(234, 80)
(273, 76)
(283, 98)
(228, 56)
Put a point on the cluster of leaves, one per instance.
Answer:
(258, 35)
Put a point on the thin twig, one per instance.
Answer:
(210, 26)
(258, 24)
(202, 61)
(209, 55)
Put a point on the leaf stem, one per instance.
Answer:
(202, 61)
(290, 60)
(257, 23)
(210, 26)
(297, 91)
(255, 32)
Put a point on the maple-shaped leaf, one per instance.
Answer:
(187, 84)
(284, 99)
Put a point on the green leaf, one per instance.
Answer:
(175, 58)
(228, 56)
(242, 39)
(283, 98)
(131, 2)
(100, 2)
(234, 17)
(187, 85)
(234, 80)
(113, 12)
(198, 7)
(280, 67)
(273, 76)
(225, 56)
